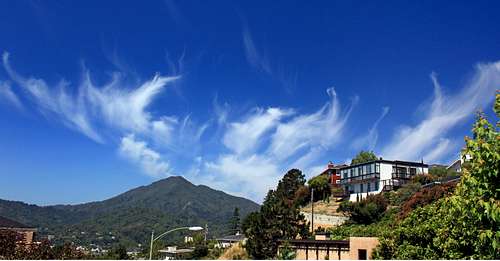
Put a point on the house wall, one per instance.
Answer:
(355, 244)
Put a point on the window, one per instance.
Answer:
(377, 168)
(413, 171)
(362, 254)
(376, 185)
(368, 189)
(361, 187)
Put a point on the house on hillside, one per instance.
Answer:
(373, 177)
(27, 232)
(333, 172)
(228, 241)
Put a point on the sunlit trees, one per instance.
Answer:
(466, 224)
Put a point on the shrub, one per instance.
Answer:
(425, 197)
(423, 179)
(366, 211)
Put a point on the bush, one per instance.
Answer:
(366, 211)
(425, 197)
(423, 179)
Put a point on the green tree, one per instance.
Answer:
(321, 186)
(278, 218)
(364, 156)
(235, 221)
(466, 224)
(118, 252)
(286, 252)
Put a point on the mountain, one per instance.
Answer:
(130, 217)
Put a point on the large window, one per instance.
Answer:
(377, 167)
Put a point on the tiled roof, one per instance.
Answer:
(9, 223)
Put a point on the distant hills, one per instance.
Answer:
(129, 217)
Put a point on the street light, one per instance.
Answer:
(153, 239)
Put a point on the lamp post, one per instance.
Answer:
(153, 239)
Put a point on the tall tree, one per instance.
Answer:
(364, 156)
(235, 221)
(278, 218)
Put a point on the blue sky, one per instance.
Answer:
(99, 97)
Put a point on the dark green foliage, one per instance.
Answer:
(278, 218)
(286, 252)
(131, 216)
(303, 195)
(235, 221)
(321, 186)
(118, 252)
(364, 156)
(441, 172)
(398, 197)
(200, 251)
(464, 225)
(366, 211)
(387, 221)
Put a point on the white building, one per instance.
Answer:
(376, 176)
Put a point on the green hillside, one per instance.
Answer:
(129, 217)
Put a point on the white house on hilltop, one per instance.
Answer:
(373, 177)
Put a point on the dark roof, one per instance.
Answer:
(9, 223)
(232, 238)
(395, 162)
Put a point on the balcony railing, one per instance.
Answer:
(360, 178)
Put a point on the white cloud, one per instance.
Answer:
(72, 111)
(7, 94)
(246, 135)
(369, 140)
(444, 113)
(266, 143)
(321, 129)
(138, 152)
(257, 60)
(251, 176)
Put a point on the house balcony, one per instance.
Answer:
(360, 179)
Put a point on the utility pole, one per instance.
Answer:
(151, 246)
(206, 232)
(312, 210)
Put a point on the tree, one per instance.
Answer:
(466, 224)
(235, 221)
(364, 156)
(321, 186)
(286, 252)
(278, 218)
(118, 252)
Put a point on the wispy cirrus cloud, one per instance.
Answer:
(8, 95)
(140, 153)
(267, 142)
(428, 138)
(260, 60)
(369, 140)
